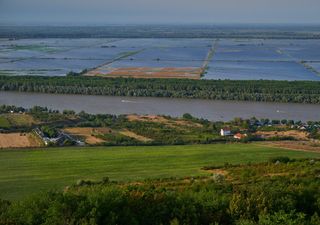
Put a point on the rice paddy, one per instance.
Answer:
(240, 59)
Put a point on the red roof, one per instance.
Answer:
(238, 135)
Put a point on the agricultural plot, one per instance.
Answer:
(315, 67)
(93, 53)
(53, 57)
(5, 60)
(29, 172)
(101, 135)
(19, 140)
(16, 120)
(4, 122)
(264, 59)
(303, 50)
(246, 70)
(21, 120)
(163, 42)
(47, 67)
(151, 72)
(246, 51)
(88, 134)
(173, 54)
(163, 58)
(153, 64)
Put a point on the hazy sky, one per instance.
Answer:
(159, 11)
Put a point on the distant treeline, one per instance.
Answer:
(245, 90)
(161, 31)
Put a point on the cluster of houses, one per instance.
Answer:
(227, 132)
(60, 140)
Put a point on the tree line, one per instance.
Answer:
(240, 90)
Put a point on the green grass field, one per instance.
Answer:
(4, 122)
(20, 120)
(24, 172)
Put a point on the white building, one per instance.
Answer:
(225, 132)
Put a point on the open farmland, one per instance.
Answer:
(27, 172)
(150, 72)
(208, 58)
(18, 140)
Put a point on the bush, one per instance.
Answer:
(263, 201)
(282, 159)
(187, 116)
(218, 178)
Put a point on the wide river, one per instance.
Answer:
(208, 109)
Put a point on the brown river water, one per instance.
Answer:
(208, 109)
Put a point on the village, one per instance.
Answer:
(40, 127)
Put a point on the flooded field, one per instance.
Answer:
(173, 57)
(208, 109)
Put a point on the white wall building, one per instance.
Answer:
(225, 132)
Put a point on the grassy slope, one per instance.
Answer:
(20, 120)
(4, 123)
(26, 172)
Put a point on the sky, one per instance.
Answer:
(159, 11)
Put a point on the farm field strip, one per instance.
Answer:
(18, 140)
(35, 59)
(143, 64)
(242, 70)
(26, 172)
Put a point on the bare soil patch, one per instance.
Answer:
(218, 171)
(135, 136)
(151, 72)
(161, 119)
(88, 133)
(299, 135)
(18, 140)
(147, 118)
(310, 146)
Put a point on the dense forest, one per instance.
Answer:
(279, 192)
(259, 90)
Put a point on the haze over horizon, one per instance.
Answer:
(92, 12)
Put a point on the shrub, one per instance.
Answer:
(218, 178)
(282, 159)
(187, 116)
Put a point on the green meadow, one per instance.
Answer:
(25, 172)
(4, 123)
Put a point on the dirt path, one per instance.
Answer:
(299, 135)
(302, 146)
(135, 136)
(209, 57)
